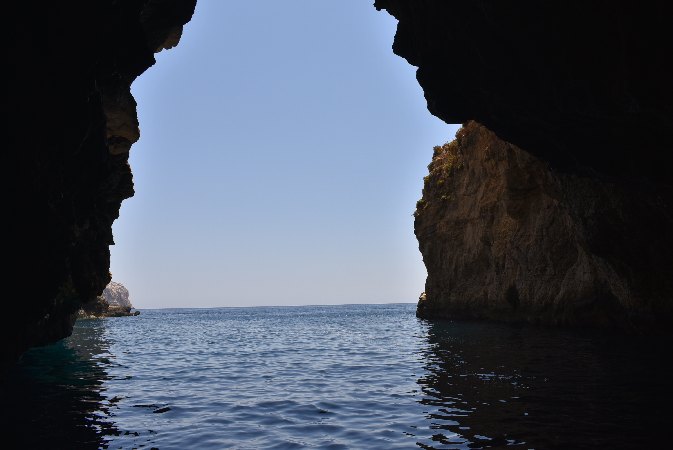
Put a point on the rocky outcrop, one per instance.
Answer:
(582, 92)
(117, 296)
(74, 120)
(505, 237)
(114, 302)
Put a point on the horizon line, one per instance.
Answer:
(277, 306)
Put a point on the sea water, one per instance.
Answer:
(335, 377)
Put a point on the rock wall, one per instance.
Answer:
(571, 222)
(74, 121)
(505, 237)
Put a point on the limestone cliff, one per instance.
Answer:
(505, 237)
(74, 121)
(571, 222)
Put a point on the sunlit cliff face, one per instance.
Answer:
(504, 237)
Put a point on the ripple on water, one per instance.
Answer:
(352, 376)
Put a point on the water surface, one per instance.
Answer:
(351, 376)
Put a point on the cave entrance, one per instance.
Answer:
(282, 153)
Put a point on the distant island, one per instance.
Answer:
(114, 302)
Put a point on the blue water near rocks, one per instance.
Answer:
(335, 377)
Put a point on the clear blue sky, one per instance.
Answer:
(283, 148)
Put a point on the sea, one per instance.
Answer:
(335, 377)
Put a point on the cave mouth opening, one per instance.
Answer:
(282, 160)
(236, 181)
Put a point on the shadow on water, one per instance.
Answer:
(451, 385)
(491, 386)
(54, 397)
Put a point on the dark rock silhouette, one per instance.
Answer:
(581, 84)
(74, 121)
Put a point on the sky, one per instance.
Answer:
(283, 148)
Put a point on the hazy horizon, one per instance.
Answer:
(282, 152)
(307, 305)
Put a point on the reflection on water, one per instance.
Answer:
(338, 377)
(490, 386)
(55, 396)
